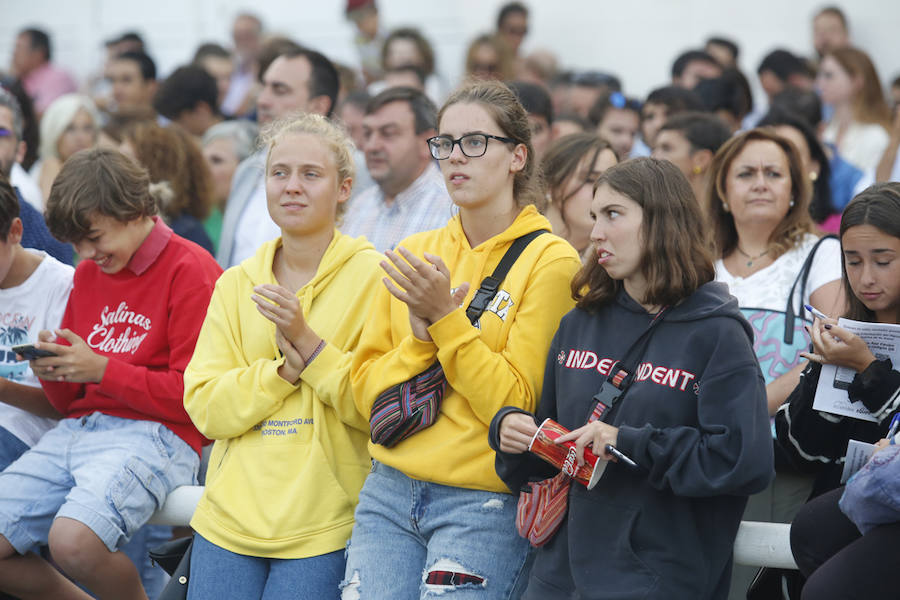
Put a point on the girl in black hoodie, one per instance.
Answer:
(693, 417)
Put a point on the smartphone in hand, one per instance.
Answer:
(29, 352)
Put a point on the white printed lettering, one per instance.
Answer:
(657, 375)
(604, 365)
(588, 360)
(671, 377)
(686, 377)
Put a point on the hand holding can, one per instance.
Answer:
(564, 457)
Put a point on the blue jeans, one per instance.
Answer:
(415, 539)
(217, 574)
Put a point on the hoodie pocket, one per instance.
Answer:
(602, 551)
(278, 490)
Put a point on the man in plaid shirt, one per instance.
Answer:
(410, 195)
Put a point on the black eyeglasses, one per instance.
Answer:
(472, 145)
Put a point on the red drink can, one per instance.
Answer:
(563, 456)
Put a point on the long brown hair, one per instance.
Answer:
(676, 257)
(170, 154)
(878, 206)
(505, 109)
(561, 161)
(869, 105)
(792, 227)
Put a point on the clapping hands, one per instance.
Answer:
(423, 286)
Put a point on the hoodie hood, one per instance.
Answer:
(487, 252)
(528, 220)
(709, 300)
(342, 248)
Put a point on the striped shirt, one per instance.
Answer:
(424, 205)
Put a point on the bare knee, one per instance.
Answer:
(6, 549)
(76, 549)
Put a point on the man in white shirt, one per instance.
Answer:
(410, 195)
(300, 81)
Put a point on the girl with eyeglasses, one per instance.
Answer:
(433, 516)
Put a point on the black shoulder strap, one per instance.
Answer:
(492, 282)
(802, 277)
(621, 374)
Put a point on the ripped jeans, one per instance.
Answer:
(415, 539)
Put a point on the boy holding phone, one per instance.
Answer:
(139, 297)
(34, 289)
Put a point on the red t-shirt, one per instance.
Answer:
(145, 319)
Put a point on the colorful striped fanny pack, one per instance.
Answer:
(411, 406)
(404, 409)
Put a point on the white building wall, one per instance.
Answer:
(635, 39)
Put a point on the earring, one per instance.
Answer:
(813, 176)
(791, 204)
(697, 170)
(725, 206)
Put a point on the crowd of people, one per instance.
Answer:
(346, 299)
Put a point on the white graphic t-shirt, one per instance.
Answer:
(36, 304)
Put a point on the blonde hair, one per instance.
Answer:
(58, 116)
(335, 138)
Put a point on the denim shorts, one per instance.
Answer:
(415, 539)
(108, 473)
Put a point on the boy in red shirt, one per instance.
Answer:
(139, 298)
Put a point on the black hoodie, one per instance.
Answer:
(694, 420)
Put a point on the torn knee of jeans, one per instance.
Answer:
(350, 587)
(447, 574)
(493, 503)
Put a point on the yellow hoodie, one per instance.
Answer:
(288, 461)
(502, 364)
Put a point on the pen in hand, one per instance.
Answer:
(892, 431)
(620, 456)
(815, 311)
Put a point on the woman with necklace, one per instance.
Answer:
(758, 209)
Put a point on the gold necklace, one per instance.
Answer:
(751, 259)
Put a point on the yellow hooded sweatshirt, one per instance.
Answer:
(500, 364)
(289, 460)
